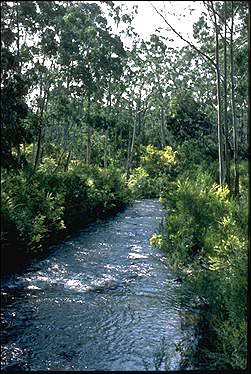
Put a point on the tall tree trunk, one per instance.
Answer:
(130, 145)
(18, 66)
(107, 120)
(131, 149)
(128, 158)
(234, 124)
(38, 150)
(219, 107)
(67, 161)
(219, 126)
(18, 39)
(138, 115)
(41, 154)
(227, 147)
(106, 148)
(34, 151)
(88, 146)
(162, 128)
(40, 121)
(40, 127)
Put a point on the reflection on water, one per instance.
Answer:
(101, 301)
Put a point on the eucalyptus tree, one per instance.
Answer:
(242, 73)
(212, 32)
(230, 40)
(16, 22)
(94, 55)
(159, 57)
(214, 63)
(42, 68)
(136, 95)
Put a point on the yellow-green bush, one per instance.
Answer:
(205, 241)
(38, 206)
(153, 174)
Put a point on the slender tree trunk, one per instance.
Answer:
(40, 126)
(18, 39)
(34, 151)
(38, 150)
(219, 125)
(227, 147)
(138, 115)
(130, 146)
(219, 107)
(18, 66)
(41, 154)
(241, 125)
(162, 128)
(67, 161)
(107, 121)
(128, 158)
(40, 122)
(234, 124)
(133, 140)
(106, 148)
(88, 147)
(129, 164)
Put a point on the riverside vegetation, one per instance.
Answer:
(40, 208)
(205, 240)
(83, 137)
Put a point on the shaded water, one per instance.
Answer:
(101, 301)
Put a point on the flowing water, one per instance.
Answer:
(102, 300)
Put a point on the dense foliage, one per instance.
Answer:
(39, 208)
(205, 241)
(153, 173)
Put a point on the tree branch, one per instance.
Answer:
(206, 57)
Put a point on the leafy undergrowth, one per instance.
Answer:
(39, 208)
(205, 241)
(153, 174)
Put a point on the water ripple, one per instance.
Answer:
(101, 301)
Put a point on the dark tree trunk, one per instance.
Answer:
(67, 161)
(106, 148)
(39, 142)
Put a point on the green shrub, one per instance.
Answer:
(154, 173)
(38, 206)
(205, 240)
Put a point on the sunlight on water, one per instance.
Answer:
(101, 301)
(136, 256)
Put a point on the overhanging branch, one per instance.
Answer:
(206, 57)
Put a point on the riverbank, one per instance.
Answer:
(41, 209)
(205, 242)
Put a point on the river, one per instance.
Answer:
(101, 300)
